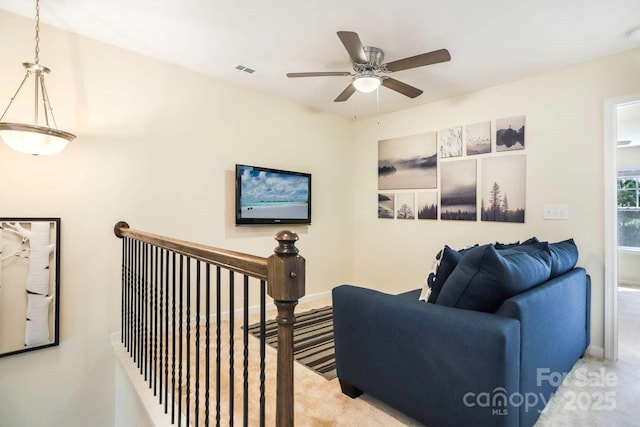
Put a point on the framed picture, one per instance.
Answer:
(510, 134)
(29, 284)
(450, 142)
(385, 205)
(405, 206)
(408, 163)
(427, 204)
(458, 190)
(503, 188)
(478, 137)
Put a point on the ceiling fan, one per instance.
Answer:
(367, 63)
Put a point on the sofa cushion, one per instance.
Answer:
(564, 256)
(485, 277)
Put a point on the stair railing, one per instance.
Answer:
(158, 286)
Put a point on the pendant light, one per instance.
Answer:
(36, 138)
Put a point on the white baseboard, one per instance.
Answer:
(595, 351)
(631, 283)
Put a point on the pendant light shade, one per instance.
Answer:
(36, 138)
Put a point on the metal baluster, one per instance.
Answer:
(145, 303)
(263, 310)
(166, 333)
(136, 341)
(188, 400)
(207, 345)
(245, 330)
(173, 333)
(160, 324)
(180, 311)
(231, 349)
(154, 335)
(218, 344)
(197, 402)
(123, 300)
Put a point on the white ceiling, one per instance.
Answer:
(490, 41)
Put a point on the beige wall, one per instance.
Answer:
(564, 148)
(156, 147)
(628, 271)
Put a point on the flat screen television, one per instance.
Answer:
(272, 196)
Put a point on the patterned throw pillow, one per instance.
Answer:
(445, 261)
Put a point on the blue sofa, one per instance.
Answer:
(448, 366)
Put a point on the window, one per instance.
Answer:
(629, 209)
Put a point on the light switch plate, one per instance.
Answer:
(556, 212)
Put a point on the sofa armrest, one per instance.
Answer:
(428, 361)
(555, 322)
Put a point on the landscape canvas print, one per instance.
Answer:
(510, 134)
(408, 163)
(427, 205)
(458, 193)
(405, 208)
(503, 188)
(450, 142)
(478, 138)
(385, 205)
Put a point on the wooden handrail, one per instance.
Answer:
(284, 272)
(250, 265)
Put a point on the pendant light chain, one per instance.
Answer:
(37, 58)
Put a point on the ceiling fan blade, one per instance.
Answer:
(351, 42)
(429, 58)
(346, 94)
(400, 87)
(320, 74)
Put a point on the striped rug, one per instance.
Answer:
(312, 340)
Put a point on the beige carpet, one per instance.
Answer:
(586, 398)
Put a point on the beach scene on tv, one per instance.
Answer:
(273, 195)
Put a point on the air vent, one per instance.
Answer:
(625, 142)
(245, 69)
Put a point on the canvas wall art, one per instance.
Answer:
(385, 205)
(478, 137)
(405, 206)
(450, 142)
(427, 204)
(458, 190)
(409, 162)
(29, 284)
(503, 188)
(510, 134)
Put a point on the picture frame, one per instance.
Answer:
(29, 284)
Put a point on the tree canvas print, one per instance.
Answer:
(405, 206)
(409, 162)
(510, 134)
(427, 205)
(503, 189)
(458, 193)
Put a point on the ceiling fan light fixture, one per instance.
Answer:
(366, 82)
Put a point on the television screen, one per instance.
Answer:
(272, 196)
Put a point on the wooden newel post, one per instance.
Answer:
(286, 286)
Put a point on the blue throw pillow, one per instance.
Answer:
(564, 256)
(448, 261)
(485, 277)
